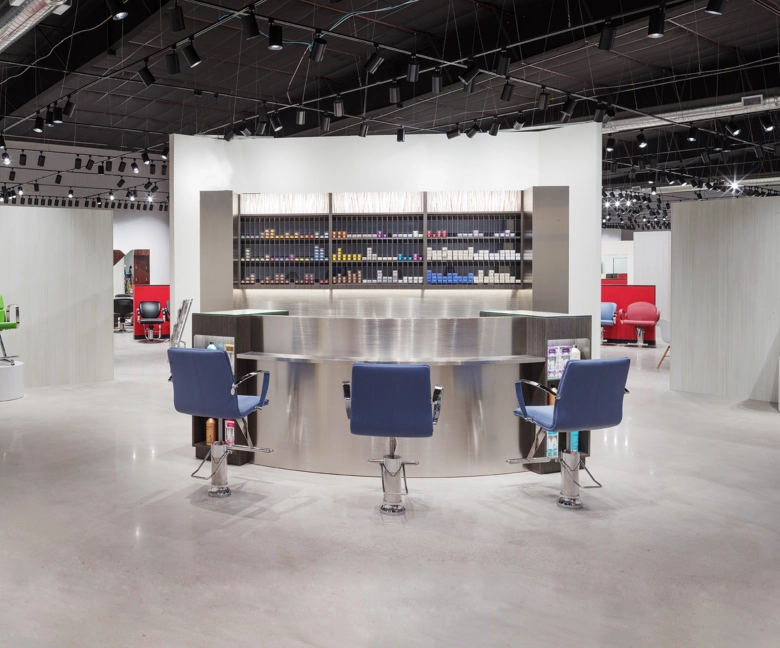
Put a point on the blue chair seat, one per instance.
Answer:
(608, 322)
(541, 414)
(248, 404)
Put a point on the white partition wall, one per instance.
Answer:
(653, 267)
(511, 161)
(57, 267)
(146, 230)
(726, 297)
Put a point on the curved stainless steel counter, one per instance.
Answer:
(476, 359)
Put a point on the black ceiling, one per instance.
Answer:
(701, 60)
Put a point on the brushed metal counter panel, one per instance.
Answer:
(307, 427)
(289, 357)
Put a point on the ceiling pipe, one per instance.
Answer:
(19, 19)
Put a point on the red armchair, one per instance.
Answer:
(640, 315)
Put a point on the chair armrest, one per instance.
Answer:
(263, 391)
(436, 399)
(347, 389)
(533, 383)
(614, 319)
(12, 314)
(622, 314)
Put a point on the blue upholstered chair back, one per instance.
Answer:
(202, 379)
(391, 400)
(591, 395)
(608, 312)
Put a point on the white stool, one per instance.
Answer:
(11, 380)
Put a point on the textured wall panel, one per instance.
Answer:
(475, 201)
(382, 202)
(289, 203)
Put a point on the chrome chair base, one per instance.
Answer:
(569, 502)
(392, 509)
(219, 491)
(393, 471)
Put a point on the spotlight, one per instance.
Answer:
(300, 116)
(766, 123)
(36, 187)
(610, 144)
(145, 157)
(715, 7)
(122, 165)
(413, 70)
(275, 39)
(164, 169)
(452, 134)
(146, 74)
(759, 151)
(607, 38)
(609, 115)
(245, 130)
(468, 88)
(494, 127)
(318, 46)
(641, 140)
(506, 93)
(732, 127)
(519, 121)
(147, 184)
(6, 158)
(172, 61)
(154, 189)
(544, 100)
(473, 130)
(38, 126)
(718, 146)
(58, 179)
(400, 135)
(249, 23)
(41, 159)
(693, 134)
(190, 54)
(395, 93)
(12, 176)
(698, 195)
(436, 81)
(2, 141)
(176, 18)
(57, 115)
(373, 63)
(338, 106)
(568, 108)
(110, 166)
(229, 134)
(69, 108)
(165, 151)
(22, 158)
(502, 63)
(601, 109)
(655, 25)
(275, 122)
(148, 198)
(99, 202)
(363, 129)
(121, 183)
(70, 193)
(134, 167)
(49, 118)
(89, 165)
(325, 122)
(469, 74)
(116, 9)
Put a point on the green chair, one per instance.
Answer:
(9, 319)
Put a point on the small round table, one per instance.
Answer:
(11, 380)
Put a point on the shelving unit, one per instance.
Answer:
(420, 250)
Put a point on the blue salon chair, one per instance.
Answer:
(589, 397)
(203, 386)
(608, 315)
(390, 400)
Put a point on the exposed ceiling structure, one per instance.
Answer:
(702, 69)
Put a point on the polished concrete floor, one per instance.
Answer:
(106, 541)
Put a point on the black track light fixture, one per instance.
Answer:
(609, 115)
(90, 163)
(318, 46)
(12, 176)
(715, 7)
(2, 142)
(164, 169)
(165, 152)
(146, 74)
(190, 54)
(601, 109)
(495, 126)
(436, 81)
(338, 106)
(610, 144)
(122, 165)
(49, 117)
(656, 22)
(57, 115)
(766, 123)
(38, 125)
(400, 135)
(276, 123)
(244, 129)
(229, 134)
(120, 184)
(363, 129)
(20, 190)
(373, 63)
(111, 195)
(41, 159)
(325, 122)
(300, 116)
(468, 88)
(544, 100)
(469, 74)
(176, 18)
(641, 140)
(70, 193)
(145, 157)
(275, 36)
(519, 121)
(693, 134)
(23, 158)
(249, 23)
(101, 169)
(116, 9)
(36, 187)
(506, 92)
(718, 145)
(172, 61)
(147, 185)
(453, 133)
(413, 69)
(395, 92)
(58, 179)
(568, 108)
(733, 128)
(134, 167)
(502, 62)
(607, 38)
(67, 111)
(471, 132)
